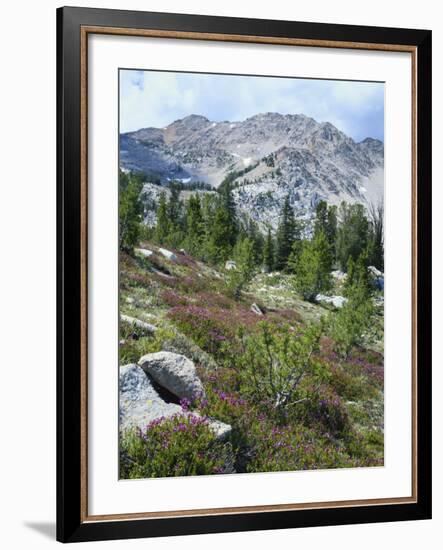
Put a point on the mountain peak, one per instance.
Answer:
(191, 119)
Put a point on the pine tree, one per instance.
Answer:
(286, 235)
(313, 268)
(326, 221)
(219, 245)
(268, 253)
(239, 277)
(331, 228)
(194, 225)
(352, 233)
(130, 210)
(358, 275)
(321, 218)
(252, 232)
(376, 244)
(162, 229)
(230, 216)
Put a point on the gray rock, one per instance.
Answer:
(336, 301)
(150, 329)
(140, 404)
(221, 430)
(143, 252)
(168, 254)
(376, 272)
(230, 264)
(174, 372)
(339, 275)
(255, 309)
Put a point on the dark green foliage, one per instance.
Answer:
(130, 211)
(195, 229)
(326, 221)
(245, 269)
(312, 267)
(274, 364)
(358, 275)
(376, 237)
(287, 233)
(229, 180)
(349, 325)
(163, 227)
(352, 233)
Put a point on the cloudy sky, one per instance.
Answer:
(153, 98)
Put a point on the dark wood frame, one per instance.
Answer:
(73, 521)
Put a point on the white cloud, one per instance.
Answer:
(152, 98)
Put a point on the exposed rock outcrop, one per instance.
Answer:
(174, 372)
(141, 403)
(146, 327)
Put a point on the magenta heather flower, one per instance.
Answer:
(185, 403)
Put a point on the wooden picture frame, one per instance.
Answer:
(74, 523)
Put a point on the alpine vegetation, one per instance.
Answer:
(251, 263)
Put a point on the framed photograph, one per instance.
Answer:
(244, 274)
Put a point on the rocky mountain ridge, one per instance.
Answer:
(266, 157)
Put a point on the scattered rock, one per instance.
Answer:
(183, 251)
(140, 403)
(174, 372)
(230, 264)
(339, 275)
(221, 430)
(168, 254)
(255, 309)
(143, 252)
(376, 272)
(150, 329)
(336, 301)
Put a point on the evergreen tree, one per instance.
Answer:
(331, 228)
(194, 225)
(176, 217)
(321, 218)
(253, 233)
(376, 244)
(326, 221)
(239, 277)
(313, 268)
(130, 210)
(349, 325)
(286, 235)
(358, 275)
(219, 245)
(162, 229)
(230, 216)
(352, 233)
(268, 253)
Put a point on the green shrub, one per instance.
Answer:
(273, 365)
(349, 325)
(131, 349)
(182, 445)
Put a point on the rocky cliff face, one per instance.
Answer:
(268, 156)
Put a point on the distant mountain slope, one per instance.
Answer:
(267, 157)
